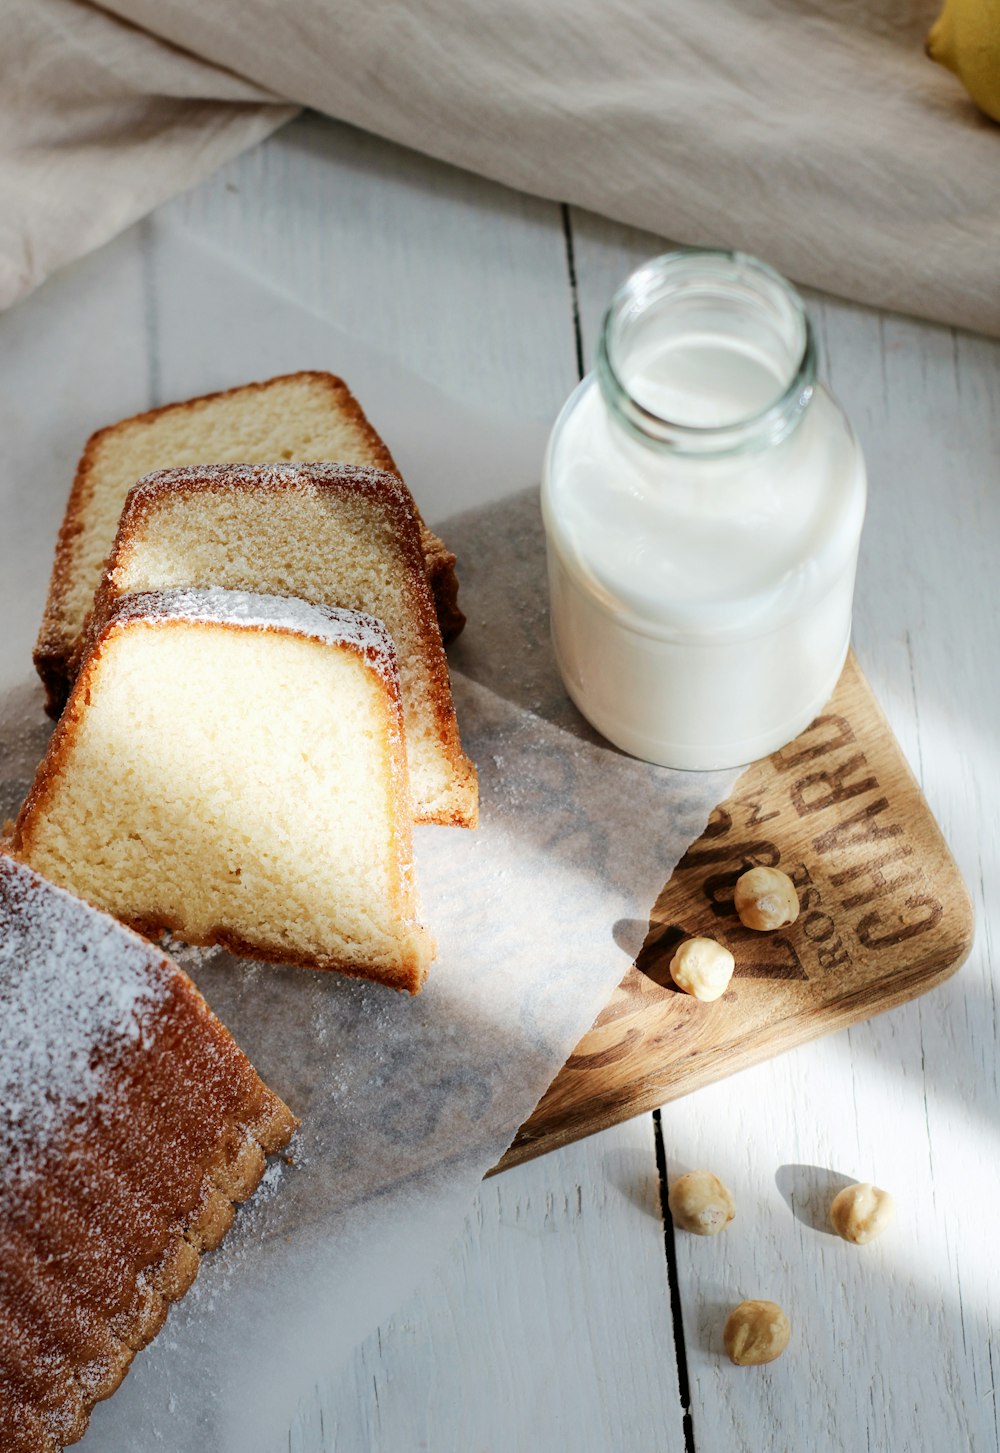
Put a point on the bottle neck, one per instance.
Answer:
(706, 354)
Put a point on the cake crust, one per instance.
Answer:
(57, 641)
(144, 1125)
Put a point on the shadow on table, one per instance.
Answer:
(808, 1192)
(506, 645)
(24, 736)
(715, 1302)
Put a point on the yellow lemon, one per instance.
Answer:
(966, 38)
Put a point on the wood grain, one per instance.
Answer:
(884, 916)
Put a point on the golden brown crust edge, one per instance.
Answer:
(231, 1179)
(55, 654)
(410, 977)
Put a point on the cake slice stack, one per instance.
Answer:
(129, 1124)
(296, 417)
(260, 704)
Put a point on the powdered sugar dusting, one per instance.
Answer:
(75, 990)
(308, 478)
(249, 610)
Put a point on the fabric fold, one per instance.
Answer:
(819, 137)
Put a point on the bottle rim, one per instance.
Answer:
(654, 281)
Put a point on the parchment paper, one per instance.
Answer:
(405, 1103)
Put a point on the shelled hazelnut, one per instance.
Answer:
(756, 1332)
(699, 1202)
(766, 899)
(861, 1212)
(703, 968)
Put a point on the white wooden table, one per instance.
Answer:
(569, 1316)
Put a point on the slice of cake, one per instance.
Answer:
(129, 1124)
(332, 534)
(232, 768)
(299, 416)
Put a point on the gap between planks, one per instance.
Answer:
(669, 1248)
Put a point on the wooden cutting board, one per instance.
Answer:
(884, 916)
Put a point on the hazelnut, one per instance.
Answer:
(766, 899)
(861, 1212)
(699, 1202)
(756, 1332)
(702, 967)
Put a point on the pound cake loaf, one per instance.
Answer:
(332, 534)
(231, 767)
(129, 1124)
(296, 417)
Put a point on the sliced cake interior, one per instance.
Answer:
(232, 767)
(331, 534)
(297, 416)
(129, 1124)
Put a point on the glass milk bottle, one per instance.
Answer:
(703, 499)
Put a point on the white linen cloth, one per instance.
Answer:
(814, 134)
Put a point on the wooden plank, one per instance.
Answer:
(554, 1311)
(884, 917)
(882, 1339)
(895, 1345)
(548, 1328)
(460, 279)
